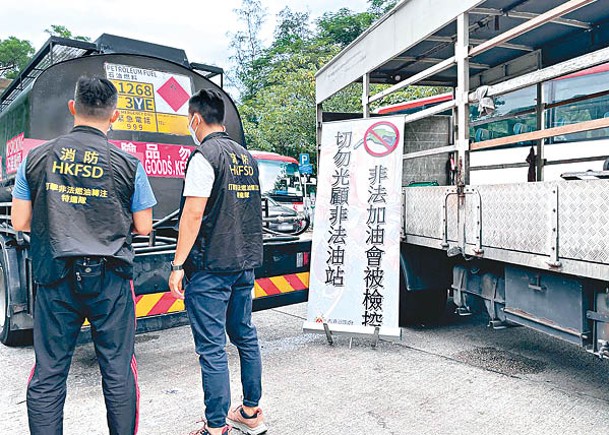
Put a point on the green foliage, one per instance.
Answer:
(281, 116)
(380, 7)
(277, 83)
(292, 27)
(343, 27)
(14, 55)
(64, 32)
(247, 50)
(349, 100)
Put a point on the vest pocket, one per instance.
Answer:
(88, 276)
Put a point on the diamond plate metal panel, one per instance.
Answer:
(472, 217)
(583, 220)
(517, 217)
(424, 211)
(452, 218)
(520, 223)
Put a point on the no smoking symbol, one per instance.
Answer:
(381, 139)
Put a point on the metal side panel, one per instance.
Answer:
(452, 218)
(558, 226)
(424, 212)
(549, 302)
(583, 220)
(473, 216)
(517, 217)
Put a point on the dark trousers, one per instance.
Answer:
(220, 304)
(58, 316)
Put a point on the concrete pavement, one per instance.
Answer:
(455, 378)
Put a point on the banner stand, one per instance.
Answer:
(375, 336)
(354, 281)
(376, 333)
(328, 334)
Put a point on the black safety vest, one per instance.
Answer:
(81, 189)
(230, 238)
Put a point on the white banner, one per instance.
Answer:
(355, 263)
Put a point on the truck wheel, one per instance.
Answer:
(8, 337)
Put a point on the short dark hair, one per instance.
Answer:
(209, 104)
(95, 97)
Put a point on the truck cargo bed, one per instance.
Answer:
(558, 226)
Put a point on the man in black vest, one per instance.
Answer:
(80, 197)
(219, 245)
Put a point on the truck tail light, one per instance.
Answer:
(303, 259)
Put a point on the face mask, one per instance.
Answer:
(193, 132)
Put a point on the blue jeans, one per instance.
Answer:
(220, 304)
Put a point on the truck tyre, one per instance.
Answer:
(7, 336)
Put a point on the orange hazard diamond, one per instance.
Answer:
(174, 94)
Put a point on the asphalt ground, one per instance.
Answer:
(458, 377)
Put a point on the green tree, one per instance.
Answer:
(278, 116)
(64, 32)
(247, 49)
(292, 27)
(277, 83)
(380, 7)
(344, 26)
(281, 116)
(14, 55)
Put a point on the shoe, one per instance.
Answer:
(203, 431)
(250, 426)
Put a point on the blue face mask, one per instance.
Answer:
(193, 132)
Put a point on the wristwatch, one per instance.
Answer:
(175, 267)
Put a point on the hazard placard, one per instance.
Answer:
(172, 123)
(133, 120)
(150, 100)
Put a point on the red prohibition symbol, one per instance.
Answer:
(381, 139)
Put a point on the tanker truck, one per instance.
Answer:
(154, 84)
